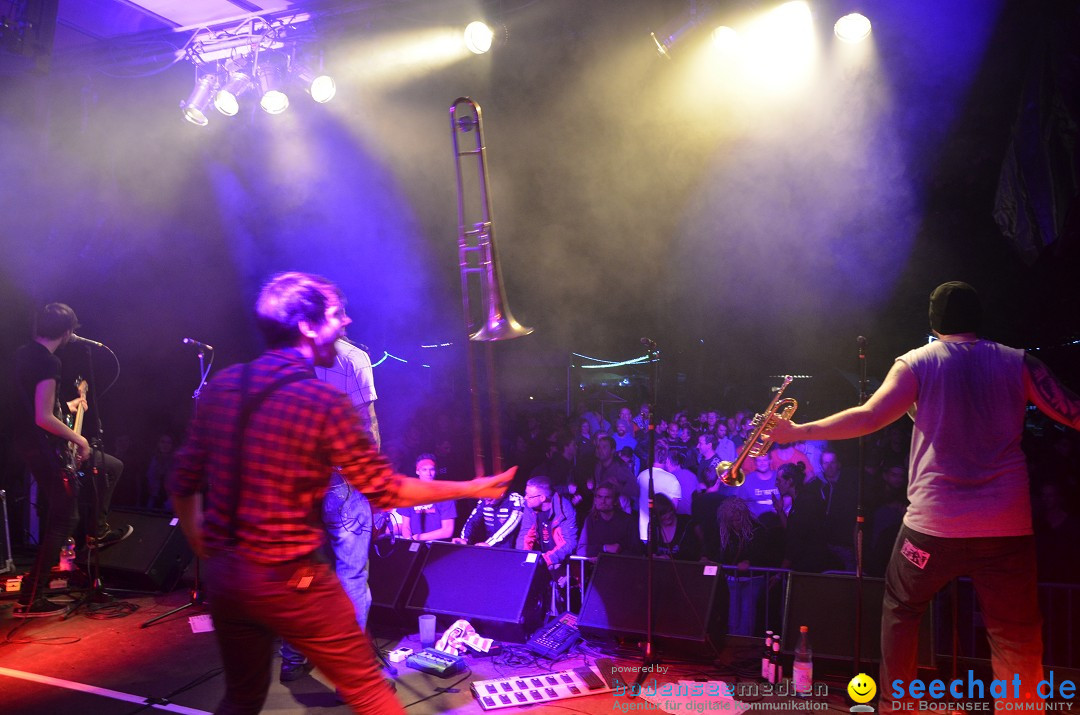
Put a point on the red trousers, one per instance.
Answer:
(251, 603)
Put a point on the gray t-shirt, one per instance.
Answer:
(968, 477)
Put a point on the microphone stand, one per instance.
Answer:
(195, 598)
(96, 593)
(860, 518)
(649, 660)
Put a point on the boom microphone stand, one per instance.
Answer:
(860, 518)
(649, 659)
(96, 593)
(196, 596)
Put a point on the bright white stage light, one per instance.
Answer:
(321, 87)
(273, 99)
(227, 100)
(725, 38)
(199, 100)
(478, 37)
(852, 28)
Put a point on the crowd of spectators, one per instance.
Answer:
(796, 507)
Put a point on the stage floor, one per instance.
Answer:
(105, 663)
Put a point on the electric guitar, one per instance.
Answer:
(68, 451)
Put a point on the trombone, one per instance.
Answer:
(477, 255)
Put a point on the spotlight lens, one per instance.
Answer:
(195, 116)
(852, 28)
(226, 103)
(274, 101)
(322, 88)
(478, 37)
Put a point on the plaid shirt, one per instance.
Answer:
(292, 442)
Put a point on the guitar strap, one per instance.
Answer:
(248, 405)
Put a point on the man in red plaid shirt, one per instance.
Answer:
(265, 436)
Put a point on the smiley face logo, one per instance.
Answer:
(862, 688)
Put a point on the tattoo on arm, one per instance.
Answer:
(1056, 396)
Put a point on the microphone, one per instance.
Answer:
(650, 344)
(80, 339)
(861, 340)
(200, 346)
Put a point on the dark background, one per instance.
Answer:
(750, 235)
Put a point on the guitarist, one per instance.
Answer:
(44, 440)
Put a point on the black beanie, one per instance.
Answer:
(955, 308)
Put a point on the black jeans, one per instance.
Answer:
(96, 490)
(58, 493)
(1002, 570)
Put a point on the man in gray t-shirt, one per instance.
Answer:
(969, 513)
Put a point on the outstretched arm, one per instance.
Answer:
(1048, 394)
(896, 394)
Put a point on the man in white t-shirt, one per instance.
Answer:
(970, 510)
(664, 482)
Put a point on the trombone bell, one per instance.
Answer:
(502, 328)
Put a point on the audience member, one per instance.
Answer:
(804, 542)
(494, 522)
(760, 487)
(725, 447)
(624, 436)
(674, 536)
(744, 543)
(548, 524)
(676, 463)
(708, 461)
(840, 493)
(428, 522)
(611, 469)
(608, 529)
(664, 482)
(790, 454)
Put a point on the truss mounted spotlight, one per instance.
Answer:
(478, 37)
(236, 82)
(199, 100)
(854, 27)
(270, 77)
(320, 86)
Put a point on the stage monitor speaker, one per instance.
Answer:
(393, 566)
(153, 558)
(689, 603)
(826, 604)
(501, 592)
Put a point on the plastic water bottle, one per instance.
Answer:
(67, 555)
(802, 672)
(766, 657)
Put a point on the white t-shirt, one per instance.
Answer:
(664, 482)
(968, 474)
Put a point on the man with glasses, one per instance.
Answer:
(548, 525)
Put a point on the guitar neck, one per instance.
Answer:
(77, 427)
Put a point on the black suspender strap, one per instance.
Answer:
(248, 405)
